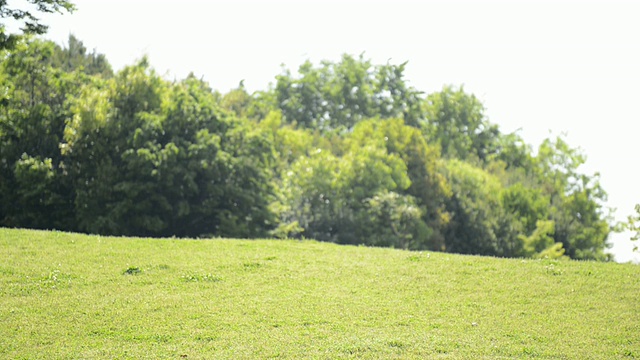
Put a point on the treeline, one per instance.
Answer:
(345, 152)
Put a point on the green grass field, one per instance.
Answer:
(82, 297)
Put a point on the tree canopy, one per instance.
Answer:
(344, 151)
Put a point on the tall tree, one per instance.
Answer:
(32, 122)
(339, 95)
(74, 56)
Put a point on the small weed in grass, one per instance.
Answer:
(553, 270)
(132, 270)
(395, 344)
(201, 278)
(251, 265)
(629, 354)
(418, 257)
(56, 278)
(206, 338)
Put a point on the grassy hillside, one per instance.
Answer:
(76, 296)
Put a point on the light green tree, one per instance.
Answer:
(456, 121)
(336, 96)
(359, 197)
(540, 243)
(428, 186)
(582, 223)
(633, 225)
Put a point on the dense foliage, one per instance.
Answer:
(345, 152)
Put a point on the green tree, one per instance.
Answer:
(428, 187)
(32, 121)
(157, 159)
(513, 152)
(633, 225)
(479, 224)
(74, 56)
(540, 243)
(582, 223)
(456, 121)
(528, 206)
(37, 203)
(336, 96)
(357, 198)
(27, 19)
(237, 100)
(395, 220)
(310, 196)
(106, 145)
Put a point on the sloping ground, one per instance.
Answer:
(77, 296)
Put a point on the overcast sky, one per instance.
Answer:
(538, 66)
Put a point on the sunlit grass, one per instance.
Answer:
(76, 296)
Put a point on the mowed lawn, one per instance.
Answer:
(74, 296)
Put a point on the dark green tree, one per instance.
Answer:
(74, 56)
(479, 224)
(32, 122)
(528, 205)
(27, 19)
(157, 159)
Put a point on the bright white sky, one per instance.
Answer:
(565, 66)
